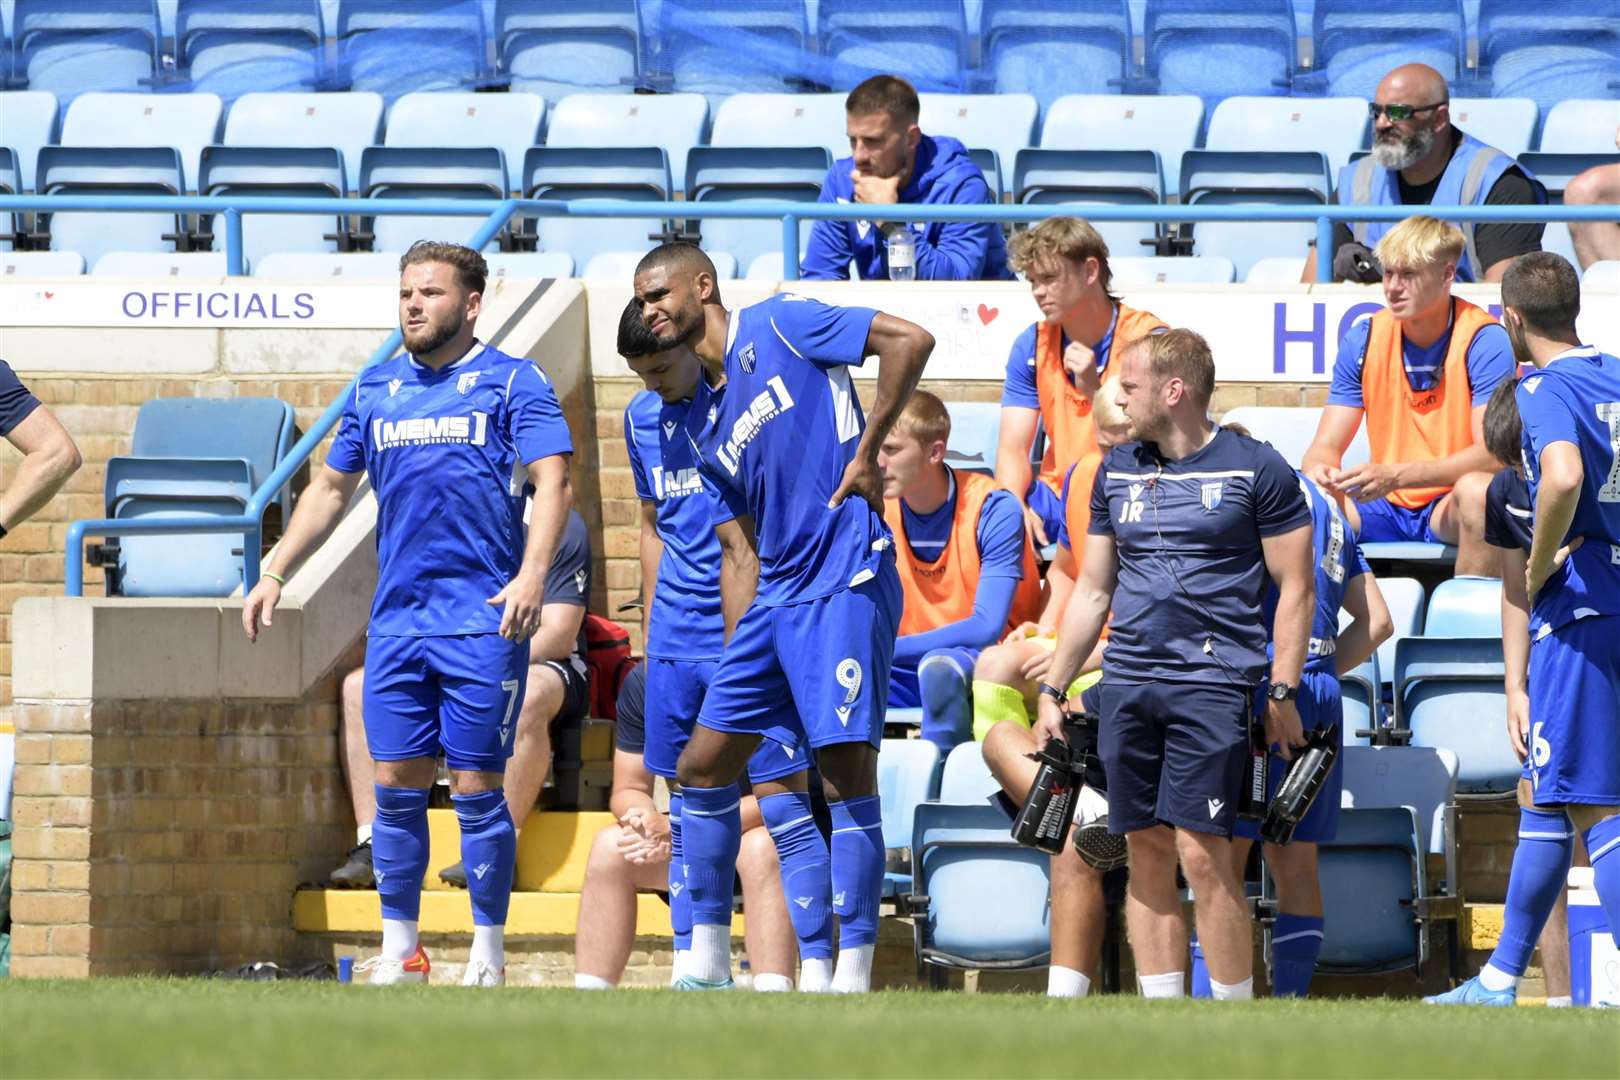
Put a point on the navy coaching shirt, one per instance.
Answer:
(1192, 575)
(16, 403)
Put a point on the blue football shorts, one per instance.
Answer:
(1174, 753)
(459, 694)
(1575, 714)
(674, 697)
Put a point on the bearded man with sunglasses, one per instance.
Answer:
(1419, 159)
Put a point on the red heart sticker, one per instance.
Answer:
(49, 295)
(987, 315)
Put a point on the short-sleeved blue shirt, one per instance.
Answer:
(1576, 399)
(1338, 560)
(446, 453)
(1192, 575)
(1490, 360)
(772, 443)
(685, 622)
(16, 403)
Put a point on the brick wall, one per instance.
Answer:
(169, 835)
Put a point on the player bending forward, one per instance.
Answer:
(809, 591)
(453, 434)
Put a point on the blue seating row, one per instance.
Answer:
(1210, 48)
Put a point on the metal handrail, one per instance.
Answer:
(497, 212)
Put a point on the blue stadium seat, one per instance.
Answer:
(922, 41)
(620, 266)
(1221, 178)
(231, 47)
(745, 174)
(1167, 125)
(1336, 126)
(966, 779)
(401, 172)
(639, 173)
(1580, 127)
(1406, 601)
(555, 47)
(28, 122)
(155, 264)
(1550, 52)
(1465, 607)
(35, 264)
(1380, 899)
(782, 120)
(675, 122)
(70, 46)
(187, 122)
(748, 46)
(1360, 693)
(348, 121)
(10, 184)
(457, 118)
(964, 864)
(198, 456)
(1133, 271)
(1556, 171)
(1448, 693)
(1290, 431)
(1116, 177)
(975, 431)
(989, 163)
(1216, 50)
(530, 264)
(87, 170)
(1275, 270)
(1004, 123)
(393, 48)
(261, 171)
(1049, 48)
(329, 266)
(1355, 41)
(1505, 123)
(908, 776)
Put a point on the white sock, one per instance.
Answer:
(489, 946)
(399, 939)
(1168, 985)
(362, 834)
(1563, 1001)
(854, 973)
(766, 983)
(678, 967)
(1066, 982)
(1496, 980)
(710, 956)
(591, 982)
(1238, 991)
(816, 975)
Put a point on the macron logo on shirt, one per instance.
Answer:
(430, 430)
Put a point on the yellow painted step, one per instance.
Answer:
(553, 849)
(1481, 926)
(358, 911)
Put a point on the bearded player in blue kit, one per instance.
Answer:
(453, 434)
(809, 590)
(1569, 408)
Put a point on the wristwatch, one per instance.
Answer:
(1048, 690)
(1281, 691)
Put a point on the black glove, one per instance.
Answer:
(1356, 262)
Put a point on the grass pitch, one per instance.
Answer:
(180, 1027)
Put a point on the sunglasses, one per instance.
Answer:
(1397, 113)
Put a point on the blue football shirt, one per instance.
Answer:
(1576, 399)
(772, 442)
(1338, 560)
(1020, 388)
(685, 622)
(1192, 575)
(1489, 361)
(445, 451)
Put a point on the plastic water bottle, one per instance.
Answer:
(902, 254)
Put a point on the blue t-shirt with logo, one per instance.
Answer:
(1576, 399)
(1192, 575)
(685, 622)
(446, 453)
(1338, 560)
(773, 440)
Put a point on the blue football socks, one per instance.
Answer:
(399, 850)
(488, 853)
(711, 834)
(944, 680)
(1540, 868)
(857, 868)
(806, 870)
(1603, 846)
(1296, 941)
(680, 899)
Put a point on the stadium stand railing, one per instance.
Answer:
(498, 213)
